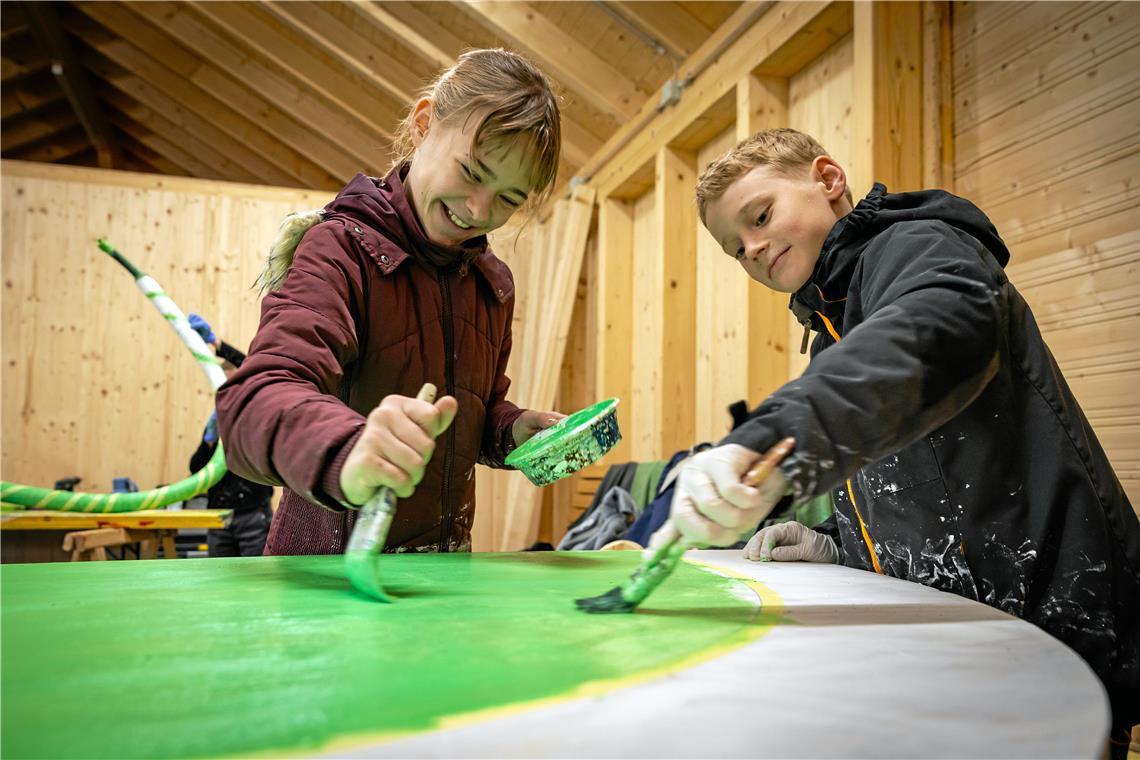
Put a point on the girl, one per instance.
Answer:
(392, 285)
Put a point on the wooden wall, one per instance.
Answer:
(1047, 142)
(1029, 109)
(94, 383)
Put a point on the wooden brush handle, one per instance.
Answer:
(427, 393)
(769, 462)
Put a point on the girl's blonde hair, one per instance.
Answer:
(513, 99)
(783, 149)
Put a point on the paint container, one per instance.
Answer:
(569, 445)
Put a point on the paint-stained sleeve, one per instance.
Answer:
(279, 415)
(932, 303)
(498, 436)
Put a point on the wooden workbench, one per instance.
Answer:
(40, 539)
(485, 656)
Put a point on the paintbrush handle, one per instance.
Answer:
(769, 462)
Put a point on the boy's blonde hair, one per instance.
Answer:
(515, 102)
(782, 149)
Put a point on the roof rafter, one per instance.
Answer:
(565, 58)
(346, 45)
(668, 23)
(27, 129)
(366, 141)
(288, 50)
(152, 41)
(416, 28)
(289, 167)
(73, 81)
(154, 96)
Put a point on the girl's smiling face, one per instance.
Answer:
(460, 190)
(774, 223)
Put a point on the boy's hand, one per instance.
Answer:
(791, 542)
(530, 422)
(395, 447)
(711, 506)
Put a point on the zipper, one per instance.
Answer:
(449, 385)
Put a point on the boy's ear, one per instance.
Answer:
(421, 120)
(830, 174)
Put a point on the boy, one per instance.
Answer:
(932, 410)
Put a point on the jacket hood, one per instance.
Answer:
(844, 245)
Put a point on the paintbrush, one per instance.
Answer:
(661, 564)
(370, 533)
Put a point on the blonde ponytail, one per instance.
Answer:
(280, 257)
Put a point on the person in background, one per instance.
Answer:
(932, 410)
(390, 286)
(249, 524)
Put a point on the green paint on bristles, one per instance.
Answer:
(648, 576)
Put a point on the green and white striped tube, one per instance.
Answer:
(31, 497)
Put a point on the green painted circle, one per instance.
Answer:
(192, 658)
(572, 443)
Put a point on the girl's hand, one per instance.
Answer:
(395, 447)
(530, 422)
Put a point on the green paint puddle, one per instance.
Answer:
(279, 654)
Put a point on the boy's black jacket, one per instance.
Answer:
(937, 407)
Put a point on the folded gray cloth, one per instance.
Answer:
(611, 518)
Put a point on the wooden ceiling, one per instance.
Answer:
(305, 94)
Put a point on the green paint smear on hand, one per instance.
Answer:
(279, 654)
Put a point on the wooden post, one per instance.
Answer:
(614, 339)
(888, 97)
(675, 175)
(762, 103)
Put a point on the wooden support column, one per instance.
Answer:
(762, 103)
(614, 338)
(887, 145)
(675, 176)
(938, 95)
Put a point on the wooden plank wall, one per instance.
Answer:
(1047, 142)
(95, 384)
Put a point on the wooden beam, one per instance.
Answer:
(281, 165)
(21, 131)
(72, 80)
(155, 97)
(152, 161)
(320, 158)
(28, 95)
(191, 164)
(675, 175)
(615, 312)
(343, 43)
(290, 51)
(367, 142)
(762, 103)
(437, 44)
(197, 147)
(938, 95)
(58, 148)
(415, 28)
(887, 135)
(744, 44)
(21, 57)
(667, 22)
(561, 55)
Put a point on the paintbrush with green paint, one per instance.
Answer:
(661, 564)
(370, 533)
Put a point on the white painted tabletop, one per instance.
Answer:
(868, 667)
